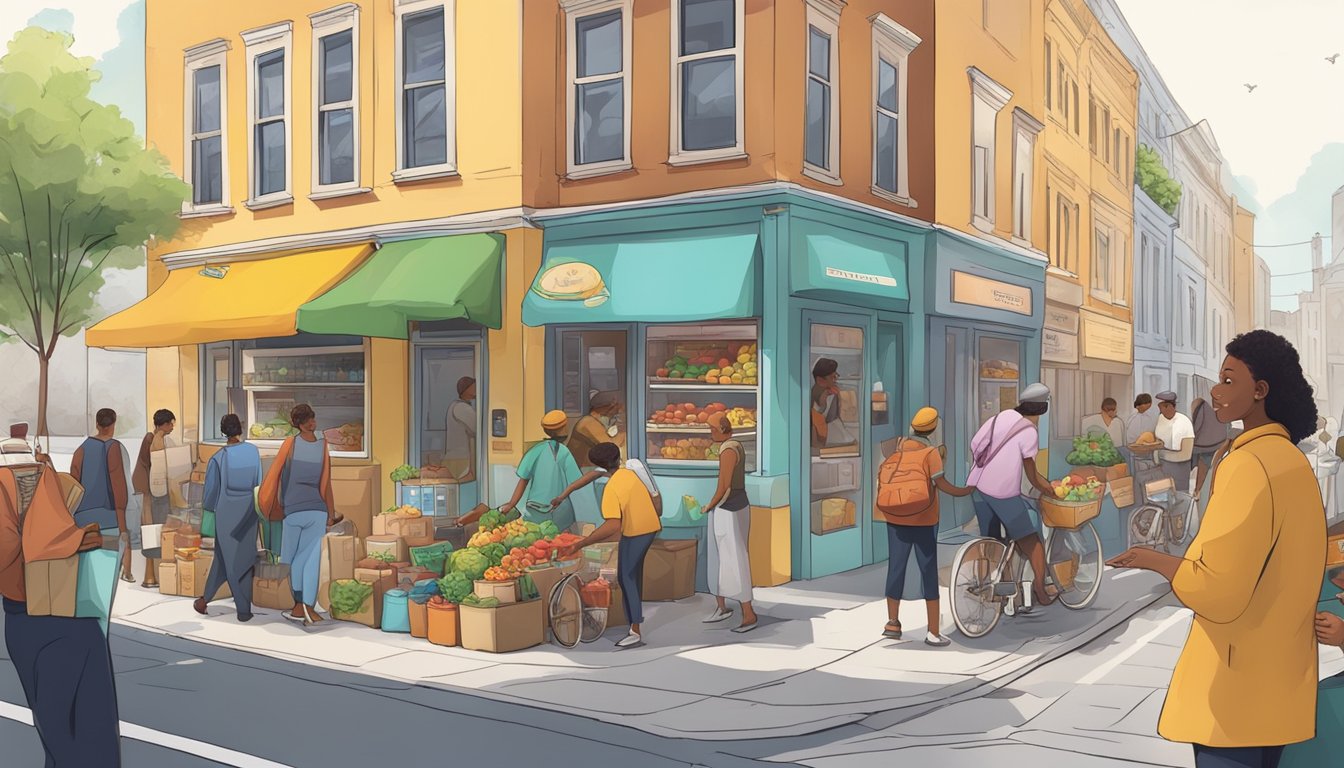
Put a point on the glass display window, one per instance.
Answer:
(835, 431)
(593, 389)
(695, 371)
(1000, 377)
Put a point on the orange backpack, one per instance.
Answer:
(903, 483)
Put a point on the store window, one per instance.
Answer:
(834, 408)
(425, 105)
(1000, 376)
(707, 101)
(274, 375)
(448, 408)
(336, 143)
(599, 103)
(694, 372)
(269, 77)
(594, 388)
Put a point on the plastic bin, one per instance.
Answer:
(396, 612)
(443, 623)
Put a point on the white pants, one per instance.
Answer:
(729, 567)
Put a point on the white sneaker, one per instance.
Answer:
(632, 640)
(717, 616)
(937, 641)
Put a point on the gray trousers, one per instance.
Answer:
(1178, 471)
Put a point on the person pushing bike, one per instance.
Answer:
(1004, 451)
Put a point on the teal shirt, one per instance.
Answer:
(1328, 745)
(549, 468)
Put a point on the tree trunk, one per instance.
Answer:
(43, 367)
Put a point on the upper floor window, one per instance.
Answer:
(988, 99)
(598, 98)
(269, 87)
(426, 98)
(707, 98)
(892, 45)
(206, 163)
(1101, 262)
(1025, 130)
(822, 129)
(336, 91)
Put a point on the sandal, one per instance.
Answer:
(892, 630)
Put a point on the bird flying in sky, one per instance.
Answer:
(1250, 88)
(1331, 59)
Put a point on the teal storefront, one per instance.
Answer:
(985, 311)
(636, 303)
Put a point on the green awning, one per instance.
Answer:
(655, 280)
(436, 278)
(853, 268)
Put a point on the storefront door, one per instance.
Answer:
(449, 426)
(837, 443)
(889, 421)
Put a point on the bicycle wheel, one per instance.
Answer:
(1075, 563)
(975, 610)
(594, 624)
(567, 615)
(1145, 526)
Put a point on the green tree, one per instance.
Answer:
(1152, 177)
(79, 195)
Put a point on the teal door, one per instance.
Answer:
(889, 420)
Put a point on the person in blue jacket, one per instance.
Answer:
(230, 477)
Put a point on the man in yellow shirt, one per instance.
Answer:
(628, 512)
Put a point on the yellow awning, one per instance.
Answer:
(254, 299)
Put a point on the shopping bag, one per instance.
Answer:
(52, 586)
(96, 584)
(151, 538)
(207, 524)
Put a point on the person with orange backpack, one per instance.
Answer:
(907, 501)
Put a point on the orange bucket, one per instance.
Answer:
(419, 618)
(443, 623)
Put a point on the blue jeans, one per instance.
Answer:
(630, 566)
(923, 541)
(301, 549)
(1237, 757)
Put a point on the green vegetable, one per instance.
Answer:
(1104, 454)
(432, 557)
(548, 530)
(494, 553)
(470, 562)
(386, 557)
(348, 596)
(480, 602)
(455, 587)
(405, 472)
(492, 520)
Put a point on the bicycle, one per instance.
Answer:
(1167, 516)
(991, 579)
(573, 621)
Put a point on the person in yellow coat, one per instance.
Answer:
(1245, 684)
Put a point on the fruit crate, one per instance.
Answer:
(1068, 515)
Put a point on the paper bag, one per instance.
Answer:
(1122, 492)
(339, 555)
(168, 578)
(52, 586)
(272, 593)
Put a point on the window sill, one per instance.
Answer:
(422, 174)
(822, 175)
(982, 224)
(274, 201)
(1021, 241)
(581, 172)
(891, 197)
(1061, 272)
(329, 194)
(204, 211)
(703, 158)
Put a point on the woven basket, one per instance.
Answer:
(1068, 514)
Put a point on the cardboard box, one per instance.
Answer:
(1122, 492)
(616, 616)
(503, 591)
(769, 544)
(396, 545)
(370, 613)
(500, 630)
(191, 575)
(168, 542)
(357, 491)
(1334, 546)
(371, 575)
(669, 570)
(339, 555)
(51, 586)
(168, 578)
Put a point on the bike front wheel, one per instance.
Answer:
(975, 610)
(1075, 563)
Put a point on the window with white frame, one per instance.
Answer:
(1192, 306)
(1101, 261)
(426, 93)
(707, 98)
(206, 160)
(988, 98)
(336, 92)
(1025, 130)
(1065, 234)
(1142, 319)
(821, 145)
(892, 46)
(598, 97)
(269, 78)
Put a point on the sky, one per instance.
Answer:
(1206, 51)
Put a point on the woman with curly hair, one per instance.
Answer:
(1245, 685)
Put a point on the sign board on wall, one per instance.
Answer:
(1106, 338)
(991, 294)
(1059, 347)
(1059, 318)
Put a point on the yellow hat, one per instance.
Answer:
(926, 420)
(554, 420)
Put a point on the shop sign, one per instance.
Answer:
(572, 281)
(1105, 338)
(1061, 318)
(992, 294)
(860, 277)
(1059, 347)
(1066, 292)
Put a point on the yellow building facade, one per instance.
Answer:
(1092, 106)
(1246, 277)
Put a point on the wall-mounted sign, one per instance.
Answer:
(572, 281)
(859, 277)
(1063, 290)
(1059, 347)
(1105, 338)
(992, 294)
(1059, 318)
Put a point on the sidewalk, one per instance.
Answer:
(816, 662)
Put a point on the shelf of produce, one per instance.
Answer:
(694, 429)
(298, 385)
(668, 385)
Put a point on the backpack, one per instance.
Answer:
(903, 483)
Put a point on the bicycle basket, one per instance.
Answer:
(1068, 515)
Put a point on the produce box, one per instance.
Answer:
(370, 575)
(405, 527)
(443, 622)
(1068, 515)
(507, 628)
(669, 570)
(1104, 474)
(1334, 547)
(408, 576)
(603, 554)
(388, 544)
(339, 555)
(1122, 492)
(369, 610)
(503, 591)
(168, 540)
(434, 556)
(191, 575)
(168, 578)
